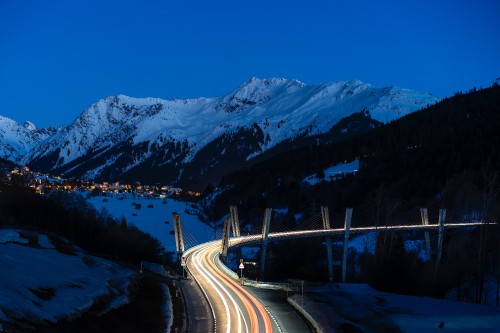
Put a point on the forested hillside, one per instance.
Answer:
(435, 157)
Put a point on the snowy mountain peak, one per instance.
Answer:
(269, 81)
(15, 140)
(135, 101)
(29, 126)
(118, 110)
(119, 101)
(256, 90)
(270, 85)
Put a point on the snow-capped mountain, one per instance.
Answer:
(150, 139)
(17, 140)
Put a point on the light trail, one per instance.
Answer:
(340, 231)
(234, 308)
(198, 259)
(208, 264)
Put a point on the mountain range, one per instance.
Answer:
(196, 141)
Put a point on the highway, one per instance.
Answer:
(234, 309)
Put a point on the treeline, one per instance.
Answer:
(71, 217)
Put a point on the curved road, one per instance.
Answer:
(234, 308)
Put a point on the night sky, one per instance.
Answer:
(58, 57)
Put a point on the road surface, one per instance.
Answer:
(234, 309)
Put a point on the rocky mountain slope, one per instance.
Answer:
(195, 141)
(16, 140)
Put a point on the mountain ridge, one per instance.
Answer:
(118, 134)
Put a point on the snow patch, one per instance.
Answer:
(43, 284)
(338, 305)
(167, 308)
(11, 236)
(333, 172)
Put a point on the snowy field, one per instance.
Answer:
(344, 306)
(334, 171)
(155, 218)
(41, 284)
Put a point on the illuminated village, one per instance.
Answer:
(43, 183)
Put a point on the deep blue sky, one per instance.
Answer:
(58, 57)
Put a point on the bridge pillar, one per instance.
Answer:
(179, 239)
(326, 225)
(347, 228)
(225, 237)
(442, 217)
(425, 221)
(234, 220)
(265, 233)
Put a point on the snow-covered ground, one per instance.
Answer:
(338, 306)
(155, 218)
(41, 284)
(331, 173)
